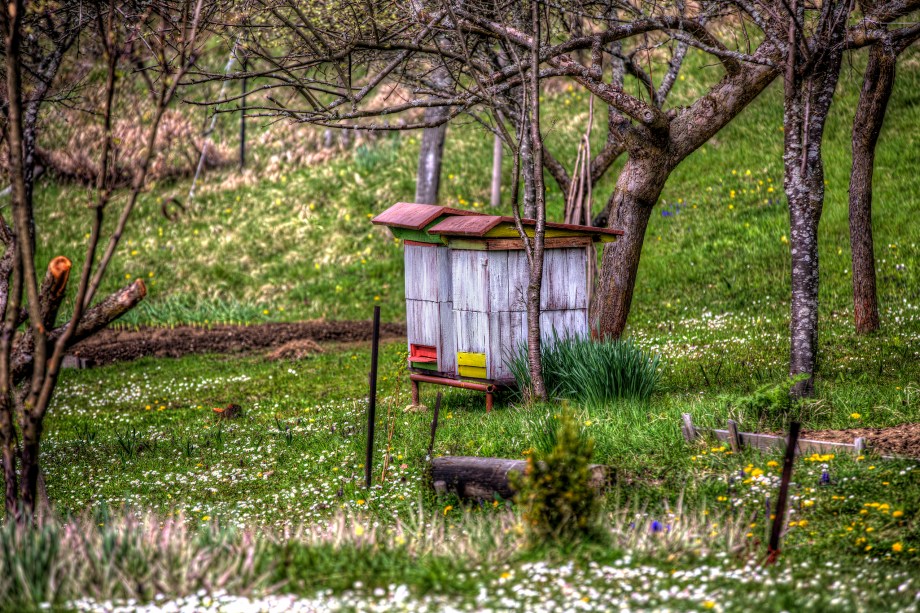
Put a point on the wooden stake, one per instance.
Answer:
(734, 437)
(687, 427)
(780, 512)
(434, 426)
(860, 445)
(372, 400)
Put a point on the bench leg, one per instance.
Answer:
(489, 402)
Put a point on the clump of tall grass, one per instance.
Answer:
(591, 371)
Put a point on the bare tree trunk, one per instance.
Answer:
(867, 124)
(536, 261)
(637, 190)
(527, 169)
(807, 103)
(430, 154)
(497, 151)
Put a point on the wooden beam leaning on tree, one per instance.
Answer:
(173, 33)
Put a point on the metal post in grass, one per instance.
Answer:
(780, 512)
(372, 400)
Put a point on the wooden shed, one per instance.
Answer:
(466, 282)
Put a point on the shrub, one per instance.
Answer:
(593, 371)
(555, 493)
(772, 404)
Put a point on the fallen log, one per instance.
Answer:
(482, 478)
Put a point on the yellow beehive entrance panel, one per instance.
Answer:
(471, 364)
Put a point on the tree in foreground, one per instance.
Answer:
(167, 35)
(815, 38)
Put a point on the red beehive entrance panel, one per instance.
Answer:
(423, 353)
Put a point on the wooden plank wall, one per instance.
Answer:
(422, 281)
(507, 332)
(429, 317)
(490, 312)
(447, 340)
(422, 322)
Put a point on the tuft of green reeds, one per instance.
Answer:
(591, 371)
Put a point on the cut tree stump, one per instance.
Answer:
(483, 478)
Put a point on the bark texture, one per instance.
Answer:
(867, 125)
(431, 152)
(535, 285)
(637, 190)
(429, 159)
(809, 92)
(482, 478)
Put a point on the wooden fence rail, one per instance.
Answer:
(767, 442)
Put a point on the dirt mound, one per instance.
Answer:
(118, 345)
(903, 440)
(295, 350)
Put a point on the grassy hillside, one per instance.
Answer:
(295, 243)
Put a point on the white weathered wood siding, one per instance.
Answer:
(490, 308)
(422, 280)
(507, 333)
(470, 275)
(429, 318)
(422, 322)
(447, 341)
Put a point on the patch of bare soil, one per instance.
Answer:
(282, 340)
(903, 440)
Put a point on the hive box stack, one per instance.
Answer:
(466, 283)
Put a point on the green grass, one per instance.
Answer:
(711, 301)
(141, 438)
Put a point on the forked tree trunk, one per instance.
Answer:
(867, 124)
(637, 190)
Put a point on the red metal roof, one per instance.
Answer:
(480, 225)
(416, 216)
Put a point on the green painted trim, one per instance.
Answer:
(415, 235)
(433, 366)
